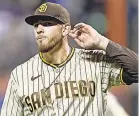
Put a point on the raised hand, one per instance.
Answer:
(88, 38)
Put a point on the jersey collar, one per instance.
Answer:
(58, 65)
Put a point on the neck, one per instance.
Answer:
(58, 54)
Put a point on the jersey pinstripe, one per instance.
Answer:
(77, 87)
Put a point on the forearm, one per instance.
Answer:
(127, 59)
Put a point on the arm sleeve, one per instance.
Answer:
(111, 73)
(127, 59)
(12, 104)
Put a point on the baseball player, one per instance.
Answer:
(65, 81)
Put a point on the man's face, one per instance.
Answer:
(48, 34)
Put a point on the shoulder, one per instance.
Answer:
(26, 64)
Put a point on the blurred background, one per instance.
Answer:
(116, 19)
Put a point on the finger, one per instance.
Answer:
(73, 34)
(73, 30)
(80, 25)
(85, 30)
(79, 42)
(79, 28)
(76, 29)
(83, 37)
(83, 27)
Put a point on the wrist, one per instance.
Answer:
(103, 42)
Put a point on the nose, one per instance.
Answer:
(40, 29)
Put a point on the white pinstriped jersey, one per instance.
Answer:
(77, 87)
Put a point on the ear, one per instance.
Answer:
(66, 29)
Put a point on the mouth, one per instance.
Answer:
(40, 37)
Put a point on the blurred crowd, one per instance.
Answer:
(17, 43)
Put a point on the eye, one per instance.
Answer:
(35, 25)
(47, 24)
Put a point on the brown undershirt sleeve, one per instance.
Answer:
(127, 59)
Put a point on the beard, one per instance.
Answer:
(47, 44)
